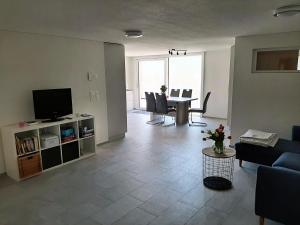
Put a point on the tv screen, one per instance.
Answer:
(53, 103)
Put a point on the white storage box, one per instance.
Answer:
(49, 140)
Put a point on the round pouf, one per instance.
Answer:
(218, 168)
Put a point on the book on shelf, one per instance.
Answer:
(26, 145)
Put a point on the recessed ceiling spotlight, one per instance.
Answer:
(288, 10)
(133, 33)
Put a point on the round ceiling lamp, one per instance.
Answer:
(133, 33)
(288, 10)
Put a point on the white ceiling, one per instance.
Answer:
(195, 25)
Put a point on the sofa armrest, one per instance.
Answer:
(296, 133)
(277, 194)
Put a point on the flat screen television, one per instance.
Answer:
(52, 104)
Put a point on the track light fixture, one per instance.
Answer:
(177, 51)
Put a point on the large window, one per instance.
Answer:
(152, 74)
(176, 72)
(185, 72)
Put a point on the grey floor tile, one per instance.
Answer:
(152, 175)
(178, 214)
(160, 202)
(116, 210)
(207, 216)
(198, 196)
(135, 217)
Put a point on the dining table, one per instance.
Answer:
(182, 109)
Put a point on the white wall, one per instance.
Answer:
(266, 101)
(114, 55)
(230, 89)
(29, 61)
(130, 79)
(132, 82)
(216, 80)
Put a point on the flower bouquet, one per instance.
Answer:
(218, 137)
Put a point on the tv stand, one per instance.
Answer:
(30, 150)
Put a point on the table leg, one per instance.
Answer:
(182, 115)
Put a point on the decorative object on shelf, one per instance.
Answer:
(218, 137)
(163, 89)
(68, 134)
(174, 51)
(85, 132)
(49, 140)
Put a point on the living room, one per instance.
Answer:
(112, 163)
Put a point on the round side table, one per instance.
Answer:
(218, 168)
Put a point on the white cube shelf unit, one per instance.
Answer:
(26, 154)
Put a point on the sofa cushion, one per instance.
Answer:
(284, 145)
(288, 160)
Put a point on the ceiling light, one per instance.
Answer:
(174, 51)
(133, 33)
(289, 10)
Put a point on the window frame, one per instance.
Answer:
(254, 60)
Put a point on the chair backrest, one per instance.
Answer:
(161, 103)
(205, 102)
(175, 92)
(150, 102)
(187, 93)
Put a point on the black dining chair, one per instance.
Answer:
(201, 111)
(175, 92)
(151, 106)
(163, 109)
(187, 93)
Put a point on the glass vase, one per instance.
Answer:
(219, 147)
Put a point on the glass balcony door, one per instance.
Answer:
(152, 74)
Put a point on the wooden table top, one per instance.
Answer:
(229, 152)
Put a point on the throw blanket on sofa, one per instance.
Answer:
(261, 138)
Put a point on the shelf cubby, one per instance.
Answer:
(65, 131)
(70, 151)
(86, 127)
(27, 142)
(47, 131)
(87, 146)
(51, 157)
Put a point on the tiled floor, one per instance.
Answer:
(153, 176)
